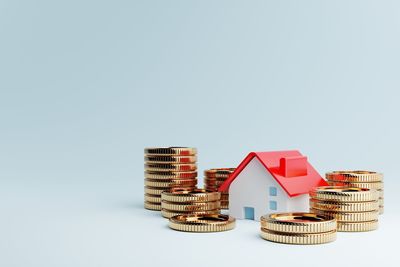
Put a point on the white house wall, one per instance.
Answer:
(299, 203)
(251, 189)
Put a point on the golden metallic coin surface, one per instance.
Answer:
(167, 175)
(224, 202)
(224, 206)
(194, 206)
(349, 216)
(357, 226)
(376, 185)
(298, 222)
(381, 210)
(170, 167)
(344, 206)
(211, 188)
(196, 195)
(170, 183)
(344, 194)
(168, 214)
(169, 159)
(213, 182)
(152, 198)
(355, 176)
(219, 172)
(159, 190)
(224, 197)
(299, 238)
(202, 223)
(154, 190)
(152, 206)
(178, 151)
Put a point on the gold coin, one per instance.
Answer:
(196, 195)
(152, 206)
(298, 222)
(349, 216)
(376, 185)
(178, 151)
(357, 226)
(381, 201)
(355, 176)
(298, 238)
(152, 198)
(213, 181)
(170, 167)
(170, 159)
(168, 214)
(194, 206)
(211, 188)
(154, 190)
(202, 223)
(170, 183)
(167, 175)
(159, 190)
(224, 205)
(381, 210)
(224, 197)
(219, 172)
(381, 194)
(344, 194)
(344, 206)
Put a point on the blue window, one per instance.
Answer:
(249, 213)
(272, 191)
(273, 205)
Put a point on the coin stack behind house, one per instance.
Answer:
(298, 228)
(194, 202)
(213, 180)
(355, 209)
(168, 168)
(361, 179)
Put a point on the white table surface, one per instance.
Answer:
(105, 224)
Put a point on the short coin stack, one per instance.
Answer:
(202, 223)
(298, 228)
(194, 202)
(361, 179)
(213, 180)
(356, 209)
(168, 168)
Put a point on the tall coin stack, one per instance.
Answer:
(168, 168)
(213, 180)
(190, 202)
(361, 179)
(298, 228)
(355, 209)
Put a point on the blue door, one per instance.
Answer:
(249, 213)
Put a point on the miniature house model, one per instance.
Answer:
(268, 182)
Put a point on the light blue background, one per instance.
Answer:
(86, 85)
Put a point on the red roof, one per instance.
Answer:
(289, 168)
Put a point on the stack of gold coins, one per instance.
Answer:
(298, 228)
(361, 179)
(202, 223)
(168, 168)
(213, 180)
(356, 209)
(184, 202)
